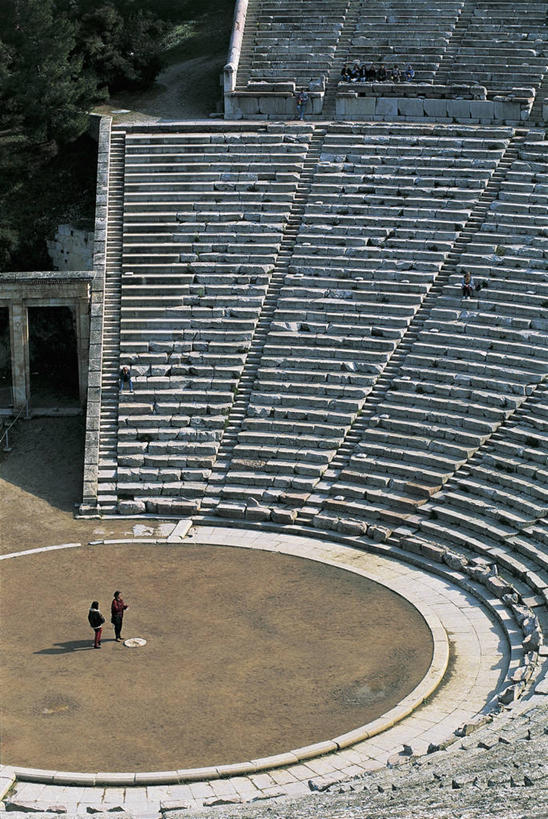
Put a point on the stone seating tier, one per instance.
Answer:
(501, 492)
(199, 272)
(330, 262)
(283, 38)
(400, 33)
(468, 350)
(500, 45)
(369, 236)
(417, 88)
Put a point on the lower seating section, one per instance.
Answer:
(203, 220)
(497, 505)
(501, 45)
(398, 33)
(290, 40)
(385, 206)
(475, 361)
(204, 214)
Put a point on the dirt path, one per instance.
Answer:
(185, 90)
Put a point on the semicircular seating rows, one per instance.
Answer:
(302, 354)
(289, 298)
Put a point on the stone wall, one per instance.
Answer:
(356, 105)
(71, 249)
(271, 104)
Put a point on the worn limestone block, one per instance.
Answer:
(230, 510)
(215, 801)
(363, 107)
(378, 533)
(482, 109)
(277, 105)
(435, 108)
(410, 107)
(411, 544)
(174, 805)
(522, 674)
(283, 515)
(533, 641)
(454, 561)
(131, 507)
(432, 551)
(257, 513)
(324, 522)
(498, 587)
(510, 694)
(507, 109)
(352, 527)
(386, 107)
(459, 109)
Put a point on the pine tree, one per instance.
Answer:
(48, 91)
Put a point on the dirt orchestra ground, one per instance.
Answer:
(249, 653)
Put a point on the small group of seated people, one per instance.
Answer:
(368, 72)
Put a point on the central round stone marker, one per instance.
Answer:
(135, 642)
(249, 653)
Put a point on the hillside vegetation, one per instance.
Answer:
(59, 59)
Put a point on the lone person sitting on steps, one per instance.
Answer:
(125, 379)
(467, 286)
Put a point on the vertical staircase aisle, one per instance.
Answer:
(392, 369)
(108, 423)
(239, 407)
(340, 56)
(443, 74)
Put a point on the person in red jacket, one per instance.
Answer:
(117, 610)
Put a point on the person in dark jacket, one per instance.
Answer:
(117, 610)
(96, 621)
(346, 74)
(125, 379)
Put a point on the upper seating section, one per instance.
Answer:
(384, 209)
(290, 40)
(401, 32)
(203, 219)
(501, 45)
(473, 364)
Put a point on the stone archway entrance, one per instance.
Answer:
(37, 335)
